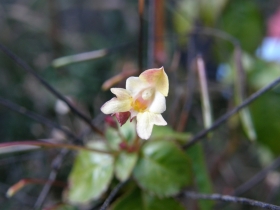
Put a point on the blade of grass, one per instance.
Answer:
(206, 106)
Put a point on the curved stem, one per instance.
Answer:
(22, 183)
(226, 116)
(28, 69)
(22, 110)
(52, 145)
(227, 198)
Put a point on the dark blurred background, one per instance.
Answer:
(41, 31)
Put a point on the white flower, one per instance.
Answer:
(144, 98)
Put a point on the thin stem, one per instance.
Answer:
(70, 59)
(52, 145)
(190, 87)
(151, 34)
(226, 116)
(91, 55)
(56, 164)
(141, 5)
(239, 86)
(22, 183)
(232, 199)
(54, 32)
(257, 178)
(28, 69)
(216, 33)
(112, 195)
(22, 110)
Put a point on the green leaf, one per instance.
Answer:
(202, 179)
(131, 200)
(162, 169)
(90, 175)
(154, 203)
(124, 165)
(138, 200)
(167, 133)
(210, 10)
(236, 17)
(114, 137)
(266, 115)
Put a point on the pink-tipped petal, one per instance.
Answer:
(115, 105)
(159, 104)
(156, 78)
(135, 85)
(121, 93)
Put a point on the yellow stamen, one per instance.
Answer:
(139, 105)
(144, 99)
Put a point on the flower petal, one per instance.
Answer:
(144, 125)
(115, 105)
(122, 117)
(158, 105)
(135, 85)
(156, 78)
(158, 120)
(121, 93)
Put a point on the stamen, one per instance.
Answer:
(143, 100)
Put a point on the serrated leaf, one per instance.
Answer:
(201, 177)
(124, 165)
(138, 200)
(162, 169)
(90, 176)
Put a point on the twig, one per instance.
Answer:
(227, 198)
(112, 195)
(53, 145)
(22, 110)
(54, 29)
(151, 34)
(226, 116)
(141, 6)
(217, 33)
(56, 164)
(190, 86)
(28, 69)
(257, 178)
(91, 55)
(24, 182)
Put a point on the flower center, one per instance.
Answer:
(143, 100)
